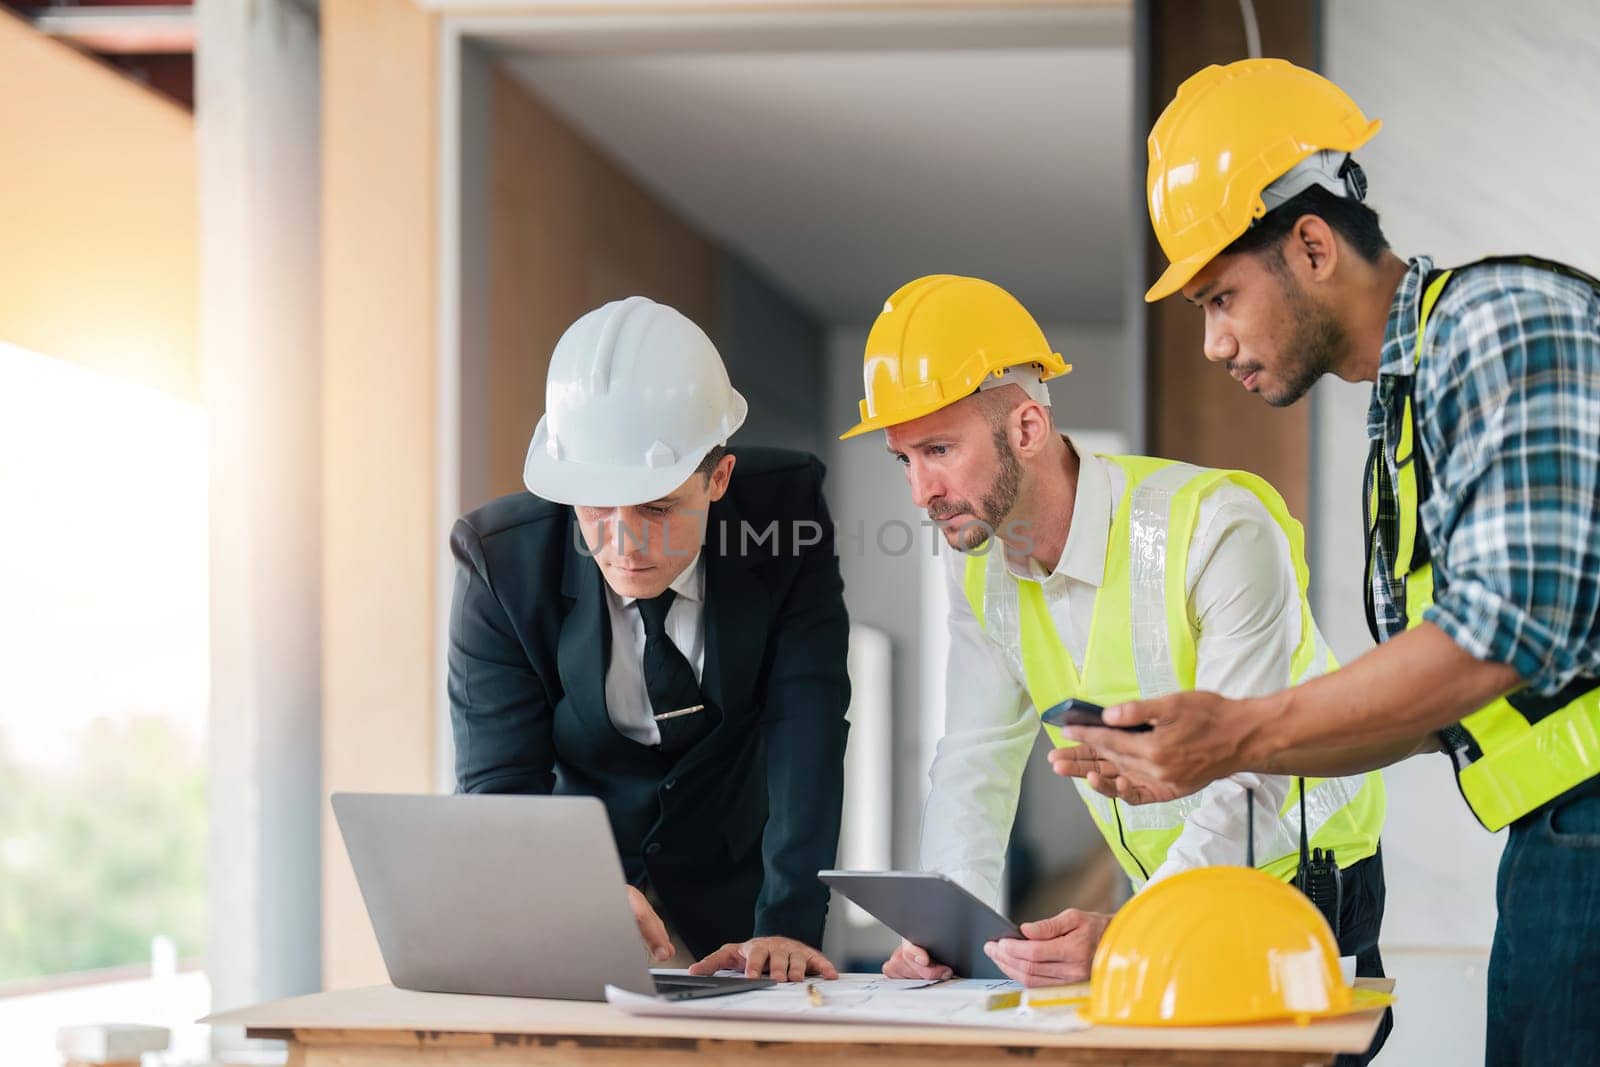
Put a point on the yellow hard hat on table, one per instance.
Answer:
(1217, 946)
(1229, 133)
(935, 342)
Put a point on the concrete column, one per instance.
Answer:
(257, 131)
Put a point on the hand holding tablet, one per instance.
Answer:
(930, 911)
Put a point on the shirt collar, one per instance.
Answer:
(690, 585)
(1398, 358)
(1083, 558)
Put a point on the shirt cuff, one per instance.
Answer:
(1490, 627)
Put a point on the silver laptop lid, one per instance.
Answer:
(504, 895)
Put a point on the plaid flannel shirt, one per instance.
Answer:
(1507, 405)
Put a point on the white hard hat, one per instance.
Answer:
(635, 398)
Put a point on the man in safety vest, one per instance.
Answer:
(1483, 505)
(1098, 577)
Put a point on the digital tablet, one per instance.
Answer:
(930, 911)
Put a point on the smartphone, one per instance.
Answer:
(1074, 712)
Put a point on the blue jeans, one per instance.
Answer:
(1544, 970)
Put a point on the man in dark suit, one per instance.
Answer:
(646, 628)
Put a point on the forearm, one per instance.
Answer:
(1391, 699)
(1351, 760)
(973, 790)
(805, 790)
(804, 728)
(989, 731)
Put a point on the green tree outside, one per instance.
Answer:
(96, 861)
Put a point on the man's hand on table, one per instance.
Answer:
(782, 958)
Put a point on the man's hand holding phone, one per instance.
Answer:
(1082, 761)
(1075, 712)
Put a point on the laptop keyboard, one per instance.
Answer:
(684, 983)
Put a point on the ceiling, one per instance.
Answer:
(151, 43)
(844, 173)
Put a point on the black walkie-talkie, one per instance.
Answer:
(1318, 877)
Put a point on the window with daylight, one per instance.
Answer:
(103, 703)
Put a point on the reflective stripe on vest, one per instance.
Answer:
(1141, 645)
(1507, 764)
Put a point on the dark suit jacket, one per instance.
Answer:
(733, 833)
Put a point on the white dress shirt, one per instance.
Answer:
(627, 699)
(1244, 607)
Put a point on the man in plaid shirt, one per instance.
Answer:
(1483, 505)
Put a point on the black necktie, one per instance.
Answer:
(670, 681)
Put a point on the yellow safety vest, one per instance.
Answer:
(1520, 752)
(1142, 645)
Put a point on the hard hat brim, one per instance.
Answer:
(1051, 367)
(1175, 277)
(604, 485)
(882, 422)
(1360, 1000)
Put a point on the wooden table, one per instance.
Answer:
(385, 1025)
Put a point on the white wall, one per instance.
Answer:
(1489, 145)
(1103, 391)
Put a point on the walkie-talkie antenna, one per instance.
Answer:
(1250, 828)
(1305, 849)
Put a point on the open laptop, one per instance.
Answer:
(503, 895)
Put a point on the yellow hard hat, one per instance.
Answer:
(934, 342)
(1219, 945)
(1229, 133)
